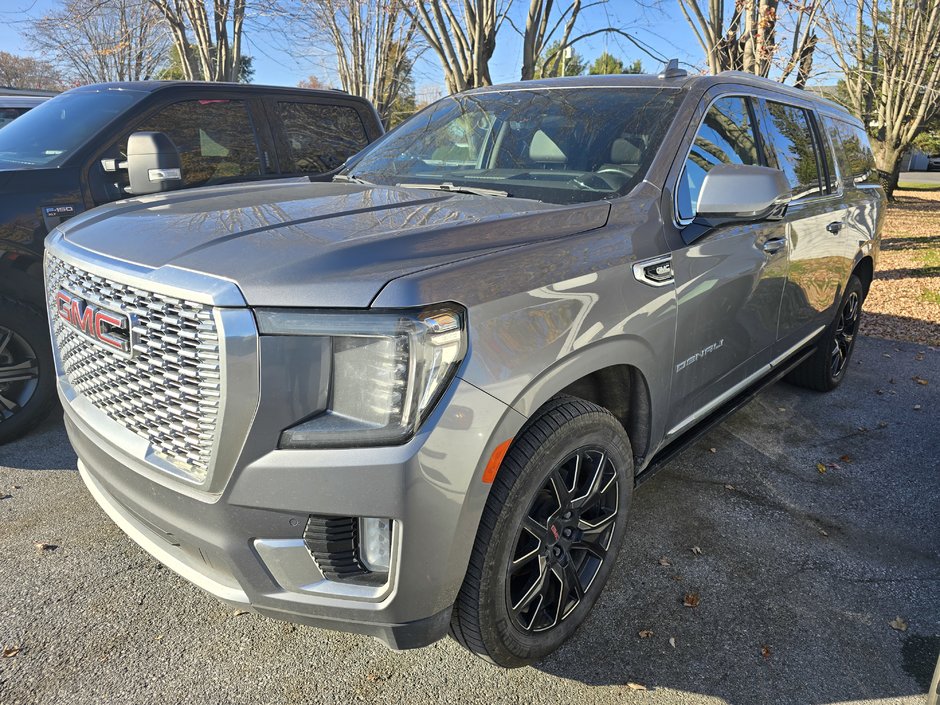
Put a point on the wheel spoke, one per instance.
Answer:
(5, 338)
(594, 488)
(597, 527)
(535, 590)
(561, 489)
(19, 372)
(534, 528)
(522, 561)
(8, 406)
(591, 547)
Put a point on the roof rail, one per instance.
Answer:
(672, 70)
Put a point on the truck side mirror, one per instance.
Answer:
(736, 192)
(153, 164)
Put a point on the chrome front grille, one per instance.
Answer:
(169, 391)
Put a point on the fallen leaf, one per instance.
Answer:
(664, 561)
(672, 642)
(920, 380)
(916, 407)
(636, 686)
(919, 357)
(899, 624)
(158, 637)
(691, 599)
(885, 355)
(712, 450)
(882, 424)
(696, 550)
(17, 487)
(845, 458)
(879, 391)
(821, 468)
(823, 532)
(781, 408)
(239, 613)
(765, 651)
(645, 633)
(834, 466)
(729, 487)
(891, 381)
(10, 651)
(677, 578)
(42, 547)
(6, 496)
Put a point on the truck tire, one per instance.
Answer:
(548, 536)
(825, 370)
(27, 378)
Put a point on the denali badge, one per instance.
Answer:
(109, 328)
(699, 355)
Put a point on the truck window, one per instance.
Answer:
(792, 148)
(215, 139)
(320, 137)
(859, 160)
(726, 136)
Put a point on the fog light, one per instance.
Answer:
(375, 543)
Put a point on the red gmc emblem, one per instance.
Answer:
(111, 329)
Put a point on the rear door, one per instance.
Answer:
(315, 137)
(729, 280)
(816, 221)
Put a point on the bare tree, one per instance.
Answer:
(105, 40)
(540, 30)
(27, 72)
(890, 57)
(373, 42)
(463, 35)
(209, 49)
(744, 36)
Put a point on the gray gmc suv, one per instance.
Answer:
(417, 400)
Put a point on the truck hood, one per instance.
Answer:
(317, 244)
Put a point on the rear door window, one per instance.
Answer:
(726, 136)
(320, 137)
(215, 138)
(792, 148)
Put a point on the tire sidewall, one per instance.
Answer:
(507, 643)
(853, 285)
(32, 326)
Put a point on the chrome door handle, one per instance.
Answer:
(774, 244)
(834, 227)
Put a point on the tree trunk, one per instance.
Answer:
(888, 161)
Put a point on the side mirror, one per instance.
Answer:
(153, 164)
(736, 192)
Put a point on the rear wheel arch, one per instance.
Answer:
(865, 271)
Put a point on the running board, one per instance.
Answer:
(680, 444)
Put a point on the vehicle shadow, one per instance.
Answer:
(800, 573)
(46, 447)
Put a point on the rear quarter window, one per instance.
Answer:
(856, 159)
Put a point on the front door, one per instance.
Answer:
(729, 282)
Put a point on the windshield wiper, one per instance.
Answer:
(350, 179)
(450, 188)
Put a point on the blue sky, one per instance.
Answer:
(278, 61)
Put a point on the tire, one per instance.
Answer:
(27, 379)
(826, 369)
(566, 436)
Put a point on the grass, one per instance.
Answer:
(917, 186)
(931, 297)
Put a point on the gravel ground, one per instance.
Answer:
(904, 301)
(800, 575)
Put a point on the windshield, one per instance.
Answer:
(564, 145)
(49, 133)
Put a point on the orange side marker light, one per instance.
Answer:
(492, 467)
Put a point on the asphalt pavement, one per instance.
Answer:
(807, 526)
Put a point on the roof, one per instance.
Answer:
(21, 101)
(699, 82)
(6, 90)
(154, 86)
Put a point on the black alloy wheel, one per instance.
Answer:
(846, 329)
(563, 541)
(549, 534)
(19, 373)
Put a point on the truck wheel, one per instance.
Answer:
(825, 370)
(549, 534)
(27, 381)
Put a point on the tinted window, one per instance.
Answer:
(859, 160)
(829, 142)
(321, 137)
(726, 136)
(791, 140)
(49, 133)
(565, 145)
(215, 139)
(10, 114)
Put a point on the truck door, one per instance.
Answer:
(729, 281)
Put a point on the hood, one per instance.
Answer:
(317, 244)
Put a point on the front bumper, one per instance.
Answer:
(245, 547)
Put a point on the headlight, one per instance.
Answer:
(388, 371)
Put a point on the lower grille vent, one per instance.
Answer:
(334, 544)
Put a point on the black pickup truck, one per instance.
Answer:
(70, 154)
